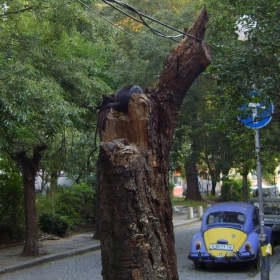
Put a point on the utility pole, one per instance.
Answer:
(264, 261)
(258, 115)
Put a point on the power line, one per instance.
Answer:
(141, 16)
(122, 29)
(142, 21)
(155, 31)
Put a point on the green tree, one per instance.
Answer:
(11, 200)
(231, 190)
(240, 66)
(144, 51)
(54, 68)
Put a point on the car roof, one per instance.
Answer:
(243, 207)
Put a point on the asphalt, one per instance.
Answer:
(52, 248)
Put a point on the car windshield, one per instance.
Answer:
(226, 217)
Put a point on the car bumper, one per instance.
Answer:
(208, 258)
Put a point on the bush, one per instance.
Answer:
(69, 207)
(12, 218)
(231, 190)
(53, 224)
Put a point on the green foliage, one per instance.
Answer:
(11, 200)
(55, 65)
(238, 67)
(54, 224)
(231, 190)
(143, 59)
(182, 147)
(56, 60)
(68, 207)
(171, 184)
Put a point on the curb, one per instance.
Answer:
(186, 222)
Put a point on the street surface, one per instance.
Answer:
(88, 266)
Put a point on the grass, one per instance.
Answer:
(180, 201)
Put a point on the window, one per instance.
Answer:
(226, 217)
(256, 221)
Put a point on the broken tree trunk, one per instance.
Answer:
(135, 214)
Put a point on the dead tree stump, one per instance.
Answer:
(135, 213)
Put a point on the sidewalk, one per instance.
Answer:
(50, 250)
(54, 249)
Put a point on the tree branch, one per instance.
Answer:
(17, 12)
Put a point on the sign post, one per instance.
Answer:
(258, 114)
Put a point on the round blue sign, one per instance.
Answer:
(257, 113)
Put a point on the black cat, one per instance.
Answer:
(119, 100)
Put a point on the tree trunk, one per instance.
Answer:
(135, 214)
(193, 192)
(213, 189)
(53, 181)
(97, 205)
(29, 168)
(245, 184)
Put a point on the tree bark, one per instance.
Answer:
(135, 214)
(193, 192)
(213, 189)
(53, 182)
(29, 168)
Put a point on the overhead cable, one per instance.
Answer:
(155, 31)
(122, 29)
(142, 20)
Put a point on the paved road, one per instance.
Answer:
(88, 266)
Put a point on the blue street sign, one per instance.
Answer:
(257, 113)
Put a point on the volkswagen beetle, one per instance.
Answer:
(229, 233)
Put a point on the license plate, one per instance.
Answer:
(225, 247)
